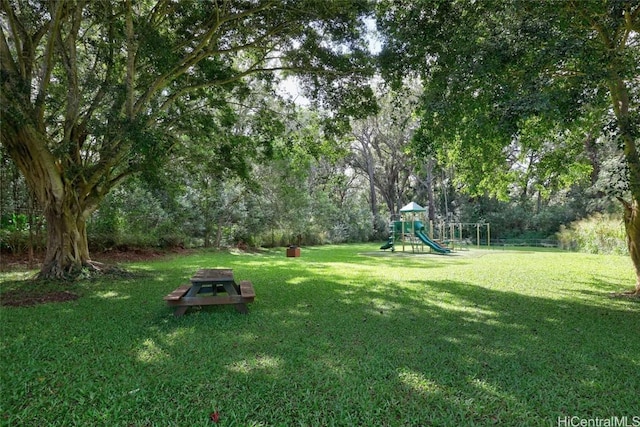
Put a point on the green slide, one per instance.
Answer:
(433, 245)
(388, 245)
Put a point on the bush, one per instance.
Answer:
(18, 233)
(598, 234)
(15, 241)
(130, 217)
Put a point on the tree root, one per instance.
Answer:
(634, 294)
(87, 271)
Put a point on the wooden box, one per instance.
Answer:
(293, 252)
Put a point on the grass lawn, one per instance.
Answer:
(345, 335)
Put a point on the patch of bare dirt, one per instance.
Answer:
(22, 261)
(135, 255)
(103, 263)
(21, 298)
(18, 262)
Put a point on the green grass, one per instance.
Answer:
(344, 335)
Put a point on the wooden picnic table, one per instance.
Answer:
(204, 288)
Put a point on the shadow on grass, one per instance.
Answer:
(601, 289)
(441, 353)
(319, 349)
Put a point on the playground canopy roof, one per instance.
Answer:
(412, 207)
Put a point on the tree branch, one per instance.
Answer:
(102, 91)
(632, 19)
(6, 58)
(631, 24)
(602, 33)
(131, 60)
(18, 34)
(45, 78)
(68, 52)
(158, 11)
(238, 76)
(626, 204)
(199, 52)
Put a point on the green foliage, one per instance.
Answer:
(341, 336)
(598, 234)
(511, 88)
(130, 217)
(16, 241)
(14, 222)
(512, 93)
(380, 147)
(94, 92)
(20, 232)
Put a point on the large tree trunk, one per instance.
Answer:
(632, 226)
(67, 246)
(620, 97)
(632, 209)
(66, 203)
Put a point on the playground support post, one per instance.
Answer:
(452, 233)
(488, 234)
(442, 228)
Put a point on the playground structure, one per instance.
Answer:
(407, 229)
(462, 234)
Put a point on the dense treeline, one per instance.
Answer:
(305, 195)
(319, 187)
(164, 123)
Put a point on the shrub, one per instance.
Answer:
(598, 234)
(15, 241)
(18, 232)
(130, 217)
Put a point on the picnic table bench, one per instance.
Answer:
(204, 289)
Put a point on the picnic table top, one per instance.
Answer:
(212, 274)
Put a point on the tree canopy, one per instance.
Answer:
(513, 86)
(518, 98)
(94, 91)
